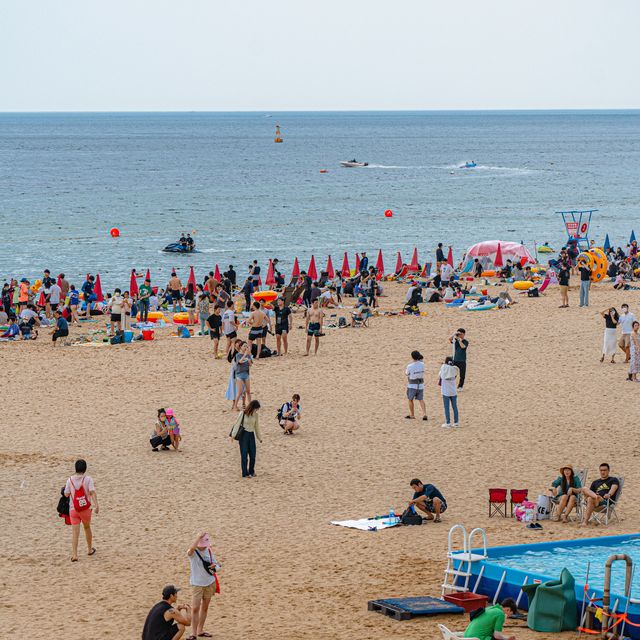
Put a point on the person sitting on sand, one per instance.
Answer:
(428, 499)
(62, 327)
(166, 621)
(160, 433)
(601, 491)
(504, 300)
(565, 488)
(487, 623)
(290, 413)
(13, 330)
(518, 273)
(327, 300)
(360, 314)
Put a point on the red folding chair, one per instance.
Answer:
(498, 502)
(518, 496)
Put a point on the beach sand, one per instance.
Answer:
(536, 397)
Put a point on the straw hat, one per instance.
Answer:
(566, 466)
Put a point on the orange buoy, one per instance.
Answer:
(115, 232)
(388, 213)
(323, 171)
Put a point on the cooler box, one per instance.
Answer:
(128, 336)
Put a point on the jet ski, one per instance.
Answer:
(468, 165)
(176, 247)
(353, 163)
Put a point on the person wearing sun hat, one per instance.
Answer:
(166, 621)
(565, 488)
(204, 581)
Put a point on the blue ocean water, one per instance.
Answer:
(66, 179)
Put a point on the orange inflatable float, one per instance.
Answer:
(488, 274)
(267, 296)
(183, 317)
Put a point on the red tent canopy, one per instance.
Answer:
(295, 272)
(346, 272)
(512, 250)
(379, 265)
(498, 262)
(399, 263)
(97, 289)
(271, 278)
(330, 270)
(133, 284)
(414, 266)
(192, 278)
(450, 257)
(216, 274)
(312, 272)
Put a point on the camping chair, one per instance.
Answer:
(291, 294)
(498, 502)
(582, 477)
(518, 496)
(363, 320)
(452, 635)
(608, 511)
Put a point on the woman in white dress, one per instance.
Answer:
(634, 354)
(610, 342)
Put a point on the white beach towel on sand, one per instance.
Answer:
(366, 524)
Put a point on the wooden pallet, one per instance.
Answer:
(407, 608)
(389, 610)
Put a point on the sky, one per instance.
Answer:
(225, 55)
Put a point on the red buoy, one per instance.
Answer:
(388, 213)
(115, 232)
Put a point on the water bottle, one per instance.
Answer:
(392, 516)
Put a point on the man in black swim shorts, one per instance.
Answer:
(314, 317)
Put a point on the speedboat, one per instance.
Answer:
(176, 247)
(468, 165)
(353, 163)
(545, 248)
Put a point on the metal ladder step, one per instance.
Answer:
(457, 572)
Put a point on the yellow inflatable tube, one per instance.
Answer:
(522, 285)
(154, 316)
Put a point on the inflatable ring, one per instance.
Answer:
(522, 285)
(154, 316)
(267, 296)
(488, 274)
(481, 307)
(600, 265)
(183, 317)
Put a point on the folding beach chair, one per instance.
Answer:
(363, 320)
(582, 477)
(291, 294)
(608, 511)
(518, 496)
(452, 635)
(498, 502)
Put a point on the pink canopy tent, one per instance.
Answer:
(509, 251)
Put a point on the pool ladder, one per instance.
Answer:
(456, 578)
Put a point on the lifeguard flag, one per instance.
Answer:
(607, 244)
(295, 272)
(498, 262)
(414, 266)
(379, 265)
(399, 263)
(330, 270)
(192, 278)
(450, 257)
(271, 279)
(312, 273)
(346, 272)
(97, 289)
(148, 276)
(216, 274)
(133, 284)
(357, 263)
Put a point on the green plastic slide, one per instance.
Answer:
(552, 605)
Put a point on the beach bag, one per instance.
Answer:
(240, 429)
(410, 517)
(118, 338)
(79, 498)
(281, 411)
(533, 292)
(209, 567)
(342, 322)
(543, 508)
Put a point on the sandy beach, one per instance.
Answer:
(536, 397)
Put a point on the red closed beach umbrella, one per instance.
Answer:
(498, 262)
(133, 284)
(42, 300)
(59, 282)
(357, 263)
(423, 273)
(148, 276)
(379, 265)
(414, 266)
(97, 289)
(295, 273)
(330, 270)
(271, 279)
(192, 278)
(346, 272)
(450, 257)
(216, 274)
(399, 263)
(312, 272)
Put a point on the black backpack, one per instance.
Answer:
(533, 292)
(280, 412)
(409, 517)
(63, 504)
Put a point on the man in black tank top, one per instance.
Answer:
(166, 622)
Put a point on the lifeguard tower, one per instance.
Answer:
(577, 225)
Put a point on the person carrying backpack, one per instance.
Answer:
(83, 499)
(289, 415)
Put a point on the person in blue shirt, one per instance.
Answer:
(62, 327)
(428, 499)
(13, 331)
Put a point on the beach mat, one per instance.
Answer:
(366, 524)
(407, 608)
